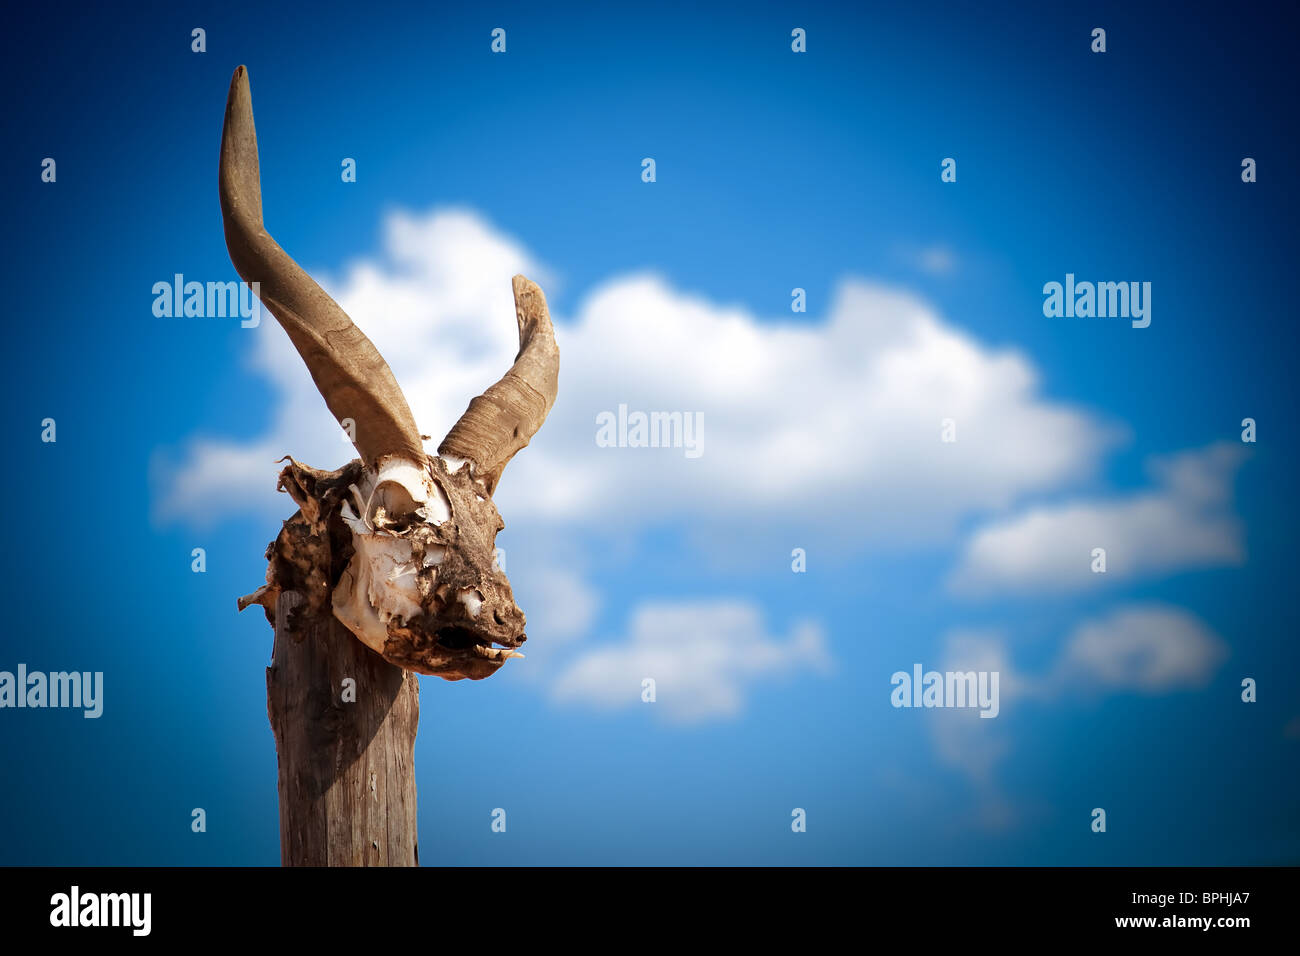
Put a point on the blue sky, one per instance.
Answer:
(775, 170)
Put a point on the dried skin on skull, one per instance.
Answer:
(425, 594)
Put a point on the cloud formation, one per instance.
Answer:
(1148, 648)
(1184, 522)
(832, 418)
(702, 656)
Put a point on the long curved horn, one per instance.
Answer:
(347, 368)
(504, 418)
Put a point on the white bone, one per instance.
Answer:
(380, 581)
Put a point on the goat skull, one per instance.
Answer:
(421, 586)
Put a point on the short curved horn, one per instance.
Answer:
(504, 418)
(353, 377)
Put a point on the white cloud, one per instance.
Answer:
(1148, 648)
(986, 650)
(814, 422)
(561, 602)
(703, 657)
(1185, 522)
(969, 743)
(962, 738)
(836, 419)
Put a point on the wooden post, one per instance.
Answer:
(346, 756)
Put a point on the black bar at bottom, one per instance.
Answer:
(334, 906)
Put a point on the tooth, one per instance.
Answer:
(495, 653)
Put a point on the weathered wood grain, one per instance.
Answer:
(346, 770)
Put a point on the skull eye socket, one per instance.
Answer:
(394, 499)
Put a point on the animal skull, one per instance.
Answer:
(421, 585)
